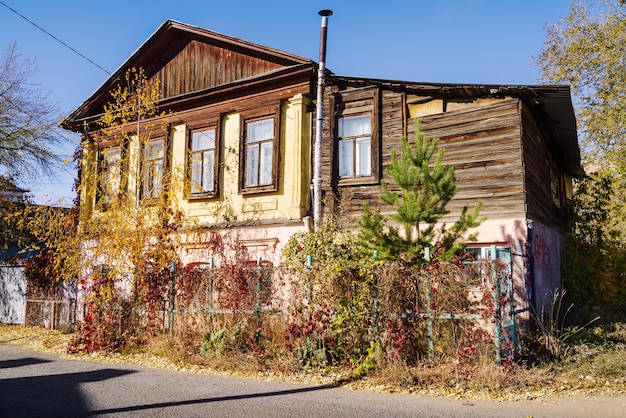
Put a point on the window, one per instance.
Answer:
(476, 268)
(110, 174)
(355, 125)
(203, 162)
(259, 146)
(153, 166)
(355, 146)
(259, 169)
(555, 187)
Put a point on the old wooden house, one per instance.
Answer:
(242, 138)
(515, 148)
(237, 145)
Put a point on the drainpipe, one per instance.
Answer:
(530, 279)
(317, 147)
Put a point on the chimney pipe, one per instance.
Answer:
(317, 148)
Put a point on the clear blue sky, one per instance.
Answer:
(447, 41)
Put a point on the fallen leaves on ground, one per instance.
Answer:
(44, 340)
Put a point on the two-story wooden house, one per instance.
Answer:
(242, 131)
(514, 148)
(238, 136)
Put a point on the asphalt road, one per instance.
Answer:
(34, 384)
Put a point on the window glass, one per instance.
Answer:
(110, 174)
(259, 150)
(208, 177)
(355, 146)
(475, 270)
(355, 126)
(203, 161)
(154, 162)
(265, 175)
(363, 156)
(155, 150)
(203, 140)
(345, 158)
(252, 166)
(261, 130)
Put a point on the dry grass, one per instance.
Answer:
(598, 369)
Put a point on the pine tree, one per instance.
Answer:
(424, 192)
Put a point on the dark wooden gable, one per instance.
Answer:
(199, 66)
(187, 60)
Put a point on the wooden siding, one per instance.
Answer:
(483, 144)
(197, 66)
(482, 141)
(544, 179)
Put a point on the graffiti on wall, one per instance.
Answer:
(542, 252)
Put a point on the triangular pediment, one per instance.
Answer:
(188, 59)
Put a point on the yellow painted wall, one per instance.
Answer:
(290, 201)
(435, 106)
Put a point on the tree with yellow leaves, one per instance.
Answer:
(120, 242)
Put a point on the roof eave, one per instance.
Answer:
(236, 86)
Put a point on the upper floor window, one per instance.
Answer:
(203, 162)
(355, 146)
(110, 174)
(153, 169)
(355, 126)
(260, 153)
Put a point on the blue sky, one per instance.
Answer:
(446, 41)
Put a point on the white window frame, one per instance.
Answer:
(355, 148)
(259, 150)
(203, 161)
(153, 168)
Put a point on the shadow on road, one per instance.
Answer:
(20, 362)
(39, 392)
(216, 399)
(53, 395)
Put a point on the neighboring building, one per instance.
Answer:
(10, 192)
(12, 201)
(242, 138)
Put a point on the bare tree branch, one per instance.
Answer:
(29, 137)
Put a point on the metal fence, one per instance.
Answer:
(50, 313)
(433, 310)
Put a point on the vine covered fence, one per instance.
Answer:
(331, 314)
(338, 314)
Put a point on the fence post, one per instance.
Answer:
(496, 306)
(52, 314)
(172, 297)
(429, 321)
(210, 293)
(309, 284)
(257, 334)
(375, 294)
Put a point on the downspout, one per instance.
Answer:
(530, 273)
(317, 147)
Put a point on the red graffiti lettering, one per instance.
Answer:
(542, 252)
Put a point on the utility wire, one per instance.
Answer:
(52, 36)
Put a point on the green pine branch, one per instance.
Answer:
(424, 186)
